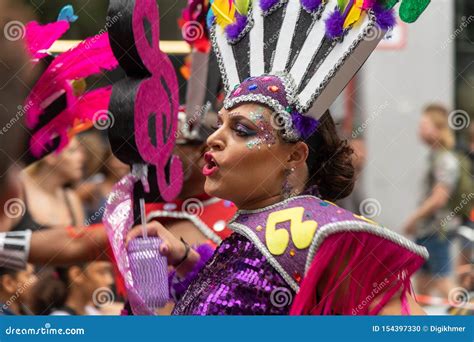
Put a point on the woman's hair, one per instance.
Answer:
(52, 291)
(330, 167)
(438, 114)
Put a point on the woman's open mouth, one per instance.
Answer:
(211, 166)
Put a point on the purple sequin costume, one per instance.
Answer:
(258, 269)
(237, 280)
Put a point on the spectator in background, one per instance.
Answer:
(15, 290)
(428, 222)
(47, 199)
(74, 290)
(103, 170)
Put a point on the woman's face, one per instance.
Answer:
(428, 132)
(70, 162)
(247, 159)
(98, 274)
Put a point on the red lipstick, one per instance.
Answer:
(211, 166)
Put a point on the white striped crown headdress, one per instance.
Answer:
(292, 55)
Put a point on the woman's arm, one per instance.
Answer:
(62, 246)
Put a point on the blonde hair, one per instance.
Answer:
(438, 114)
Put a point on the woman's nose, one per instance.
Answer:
(215, 142)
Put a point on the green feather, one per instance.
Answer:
(242, 6)
(410, 10)
(342, 4)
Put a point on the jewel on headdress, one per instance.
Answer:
(273, 88)
(237, 91)
(253, 87)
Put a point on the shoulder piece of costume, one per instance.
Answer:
(305, 236)
(55, 108)
(292, 55)
(209, 214)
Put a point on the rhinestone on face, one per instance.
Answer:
(259, 228)
(292, 252)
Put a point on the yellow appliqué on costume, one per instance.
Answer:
(302, 232)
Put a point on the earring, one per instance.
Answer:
(287, 189)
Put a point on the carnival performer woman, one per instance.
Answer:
(283, 170)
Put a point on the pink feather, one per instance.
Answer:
(92, 56)
(91, 103)
(368, 4)
(354, 279)
(39, 38)
(83, 109)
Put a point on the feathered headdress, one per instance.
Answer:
(53, 108)
(292, 55)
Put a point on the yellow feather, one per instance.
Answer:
(354, 13)
(223, 12)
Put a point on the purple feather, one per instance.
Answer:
(310, 5)
(265, 5)
(335, 25)
(304, 125)
(385, 17)
(234, 30)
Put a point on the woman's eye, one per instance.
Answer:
(243, 131)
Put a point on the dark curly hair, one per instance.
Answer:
(329, 162)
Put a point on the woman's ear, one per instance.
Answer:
(298, 155)
(76, 274)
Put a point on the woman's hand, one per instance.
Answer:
(171, 247)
